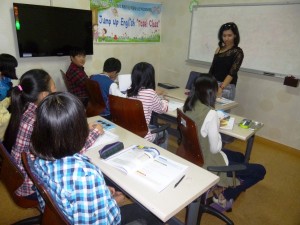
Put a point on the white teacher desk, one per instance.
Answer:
(171, 200)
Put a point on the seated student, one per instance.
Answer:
(77, 185)
(34, 85)
(8, 64)
(111, 69)
(4, 116)
(143, 88)
(199, 106)
(76, 76)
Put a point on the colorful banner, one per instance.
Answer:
(125, 21)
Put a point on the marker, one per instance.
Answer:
(179, 181)
(269, 74)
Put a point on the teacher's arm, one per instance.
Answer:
(238, 59)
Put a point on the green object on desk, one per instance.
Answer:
(245, 123)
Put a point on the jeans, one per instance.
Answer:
(161, 138)
(248, 177)
(228, 91)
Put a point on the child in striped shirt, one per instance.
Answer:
(143, 89)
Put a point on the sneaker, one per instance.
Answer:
(221, 207)
(220, 199)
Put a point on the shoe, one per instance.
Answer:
(220, 199)
(223, 207)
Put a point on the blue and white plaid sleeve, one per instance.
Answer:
(94, 204)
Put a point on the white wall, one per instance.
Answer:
(129, 54)
(261, 98)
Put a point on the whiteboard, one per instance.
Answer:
(270, 35)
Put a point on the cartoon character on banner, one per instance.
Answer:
(104, 31)
(95, 32)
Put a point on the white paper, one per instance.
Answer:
(104, 139)
(173, 105)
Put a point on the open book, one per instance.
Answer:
(226, 121)
(147, 165)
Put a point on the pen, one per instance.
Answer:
(179, 181)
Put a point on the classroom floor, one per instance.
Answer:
(274, 201)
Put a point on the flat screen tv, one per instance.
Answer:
(52, 31)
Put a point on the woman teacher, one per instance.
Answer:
(227, 60)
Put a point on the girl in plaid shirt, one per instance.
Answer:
(76, 184)
(34, 86)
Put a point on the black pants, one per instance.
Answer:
(253, 174)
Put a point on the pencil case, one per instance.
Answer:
(110, 149)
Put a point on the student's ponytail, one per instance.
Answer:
(32, 83)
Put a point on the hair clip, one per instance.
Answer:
(20, 87)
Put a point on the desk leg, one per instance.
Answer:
(249, 148)
(174, 221)
(192, 213)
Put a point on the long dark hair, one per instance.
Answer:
(229, 26)
(142, 76)
(204, 90)
(61, 128)
(32, 83)
(8, 64)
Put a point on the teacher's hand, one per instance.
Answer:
(219, 94)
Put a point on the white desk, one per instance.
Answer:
(171, 200)
(237, 132)
(179, 95)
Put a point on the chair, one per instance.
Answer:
(52, 213)
(12, 178)
(190, 149)
(193, 76)
(84, 100)
(96, 104)
(129, 114)
(64, 77)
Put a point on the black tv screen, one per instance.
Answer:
(52, 31)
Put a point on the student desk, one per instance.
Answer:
(171, 200)
(237, 132)
(179, 95)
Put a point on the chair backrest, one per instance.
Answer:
(193, 76)
(96, 104)
(189, 146)
(12, 178)
(52, 213)
(64, 77)
(129, 114)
